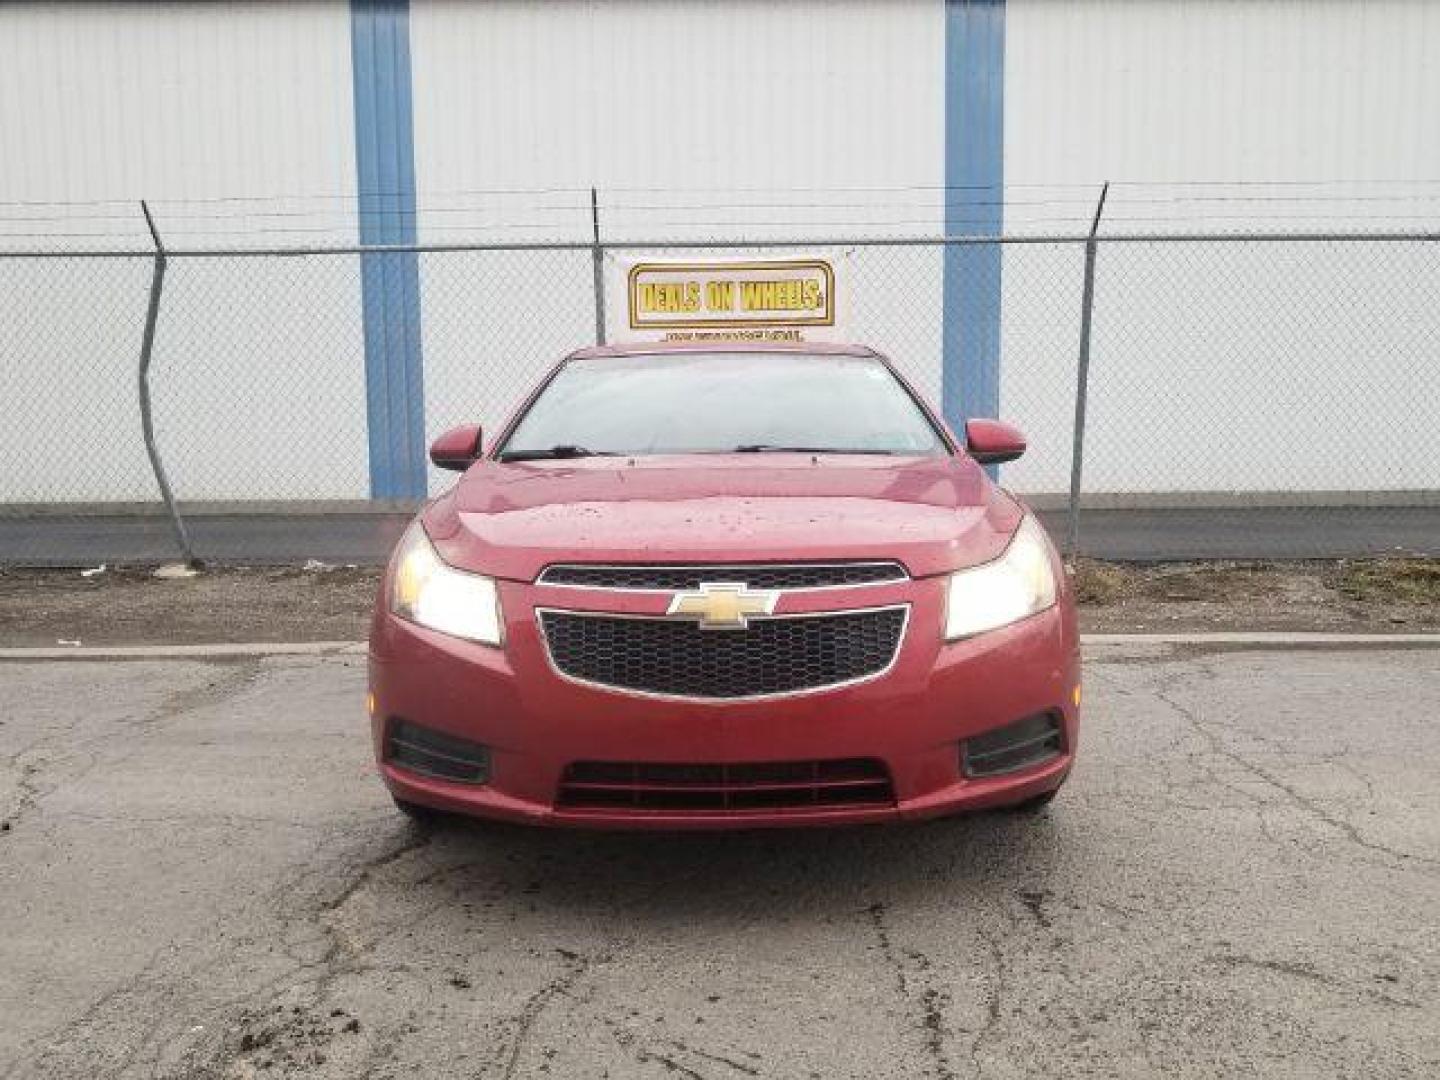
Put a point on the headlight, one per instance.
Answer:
(1019, 583)
(434, 594)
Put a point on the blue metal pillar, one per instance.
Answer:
(974, 197)
(390, 282)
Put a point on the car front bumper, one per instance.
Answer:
(913, 718)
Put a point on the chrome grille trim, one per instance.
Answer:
(541, 612)
(690, 575)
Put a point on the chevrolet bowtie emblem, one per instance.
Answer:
(722, 606)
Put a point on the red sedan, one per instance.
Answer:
(716, 586)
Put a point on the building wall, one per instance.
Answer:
(1245, 367)
(811, 117)
(1221, 90)
(199, 108)
(694, 120)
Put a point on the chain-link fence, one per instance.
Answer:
(1241, 396)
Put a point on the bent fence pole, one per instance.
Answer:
(147, 423)
(1082, 376)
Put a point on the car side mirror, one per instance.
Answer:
(992, 441)
(457, 449)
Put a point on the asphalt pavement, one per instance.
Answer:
(200, 876)
(366, 538)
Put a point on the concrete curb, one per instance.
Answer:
(1283, 638)
(188, 652)
(1232, 638)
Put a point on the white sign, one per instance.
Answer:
(790, 298)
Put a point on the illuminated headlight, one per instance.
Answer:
(1019, 583)
(427, 591)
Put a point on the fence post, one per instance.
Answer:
(147, 423)
(597, 256)
(1082, 375)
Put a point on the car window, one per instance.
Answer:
(719, 402)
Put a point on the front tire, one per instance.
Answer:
(423, 817)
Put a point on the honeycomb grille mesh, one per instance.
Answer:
(754, 575)
(679, 658)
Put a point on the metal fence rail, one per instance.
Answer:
(1207, 394)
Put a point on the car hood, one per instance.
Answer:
(932, 514)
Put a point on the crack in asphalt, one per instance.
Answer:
(670, 1064)
(929, 1005)
(1296, 970)
(173, 705)
(41, 1045)
(222, 820)
(28, 790)
(1034, 901)
(332, 895)
(575, 966)
(1000, 975)
(718, 1059)
(876, 914)
(365, 872)
(210, 1059)
(341, 953)
(238, 674)
(32, 791)
(626, 1040)
(339, 956)
(1282, 967)
(1218, 747)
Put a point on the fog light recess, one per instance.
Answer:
(436, 754)
(1016, 746)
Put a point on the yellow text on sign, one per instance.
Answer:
(722, 295)
(672, 297)
(791, 295)
(669, 296)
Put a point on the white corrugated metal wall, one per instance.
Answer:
(694, 118)
(200, 108)
(1221, 90)
(1262, 367)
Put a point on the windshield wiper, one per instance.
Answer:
(776, 448)
(555, 453)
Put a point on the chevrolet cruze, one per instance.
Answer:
(725, 585)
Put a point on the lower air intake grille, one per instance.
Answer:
(434, 753)
(1013, 747)
(679, 658)
(781, 785)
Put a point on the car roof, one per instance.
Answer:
(649, 348)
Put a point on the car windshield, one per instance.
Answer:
(723, 403)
